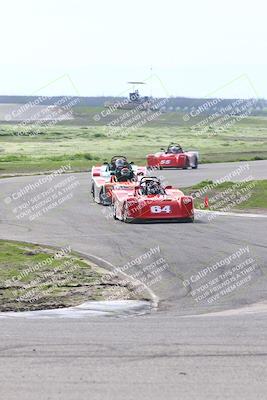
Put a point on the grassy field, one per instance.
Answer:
(227, 196)
(83, 142)
(32, 278)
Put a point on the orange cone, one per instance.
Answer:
(206, 202)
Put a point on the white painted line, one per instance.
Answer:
(230, 214)
(154, 297)
(257, 308)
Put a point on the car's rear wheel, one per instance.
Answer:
(114, 212)
(93, 191)
(196, 164)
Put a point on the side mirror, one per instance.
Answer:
(168, 187)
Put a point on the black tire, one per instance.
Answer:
(93, 191)
(102, 196)
(196, 164)
(186, 164)
(124, 214)
(114, 212)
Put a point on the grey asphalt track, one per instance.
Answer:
(172, 353)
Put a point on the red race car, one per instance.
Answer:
(118, 174)
(173, 157)
(150, 201)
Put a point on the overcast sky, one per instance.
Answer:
(196, 48)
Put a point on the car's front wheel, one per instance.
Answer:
(104, 200)
(125, 217)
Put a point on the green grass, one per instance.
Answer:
(253, 195)
(32, 278)
(83, 142)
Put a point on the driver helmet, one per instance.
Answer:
(175, 149)
(153, 188)
(119, 163)
(125, 172)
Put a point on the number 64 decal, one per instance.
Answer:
(159, 209)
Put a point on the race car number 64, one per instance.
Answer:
(159, 209)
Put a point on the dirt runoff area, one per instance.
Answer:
(35, 277)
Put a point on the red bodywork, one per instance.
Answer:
(103, 181)
(132, 206)
(101, 170)
(102, 188)
(96, 171)
(167, 160)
